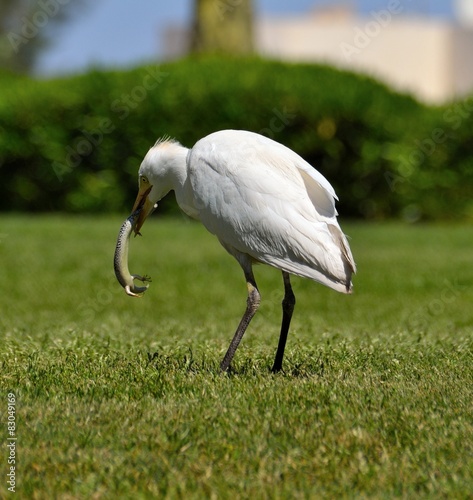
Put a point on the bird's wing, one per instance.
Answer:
(262, 199)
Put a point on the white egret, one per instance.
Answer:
(264, 203)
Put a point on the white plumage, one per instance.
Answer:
(263, 202)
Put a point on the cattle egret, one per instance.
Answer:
(263, 202)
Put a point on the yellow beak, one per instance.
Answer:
(142, 201)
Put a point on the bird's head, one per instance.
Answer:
(155, 177)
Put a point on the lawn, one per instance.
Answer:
(122, 397)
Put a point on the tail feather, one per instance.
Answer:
(348, 260)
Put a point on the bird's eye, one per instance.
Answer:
(144, 179)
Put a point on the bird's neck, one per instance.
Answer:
(180, 184)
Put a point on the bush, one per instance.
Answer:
(75, 144)
(436, 170)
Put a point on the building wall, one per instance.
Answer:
(462, 62)
(432, 60)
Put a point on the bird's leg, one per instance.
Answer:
(252, 305)
(288, 304)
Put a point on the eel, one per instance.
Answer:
(120, 260)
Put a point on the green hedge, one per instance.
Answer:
(75, 144)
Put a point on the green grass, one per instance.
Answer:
(121, 397)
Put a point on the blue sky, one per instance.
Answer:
(125, 33)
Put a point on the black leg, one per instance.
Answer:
(288, 304)
(252, 305)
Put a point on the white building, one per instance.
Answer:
(432, 59)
